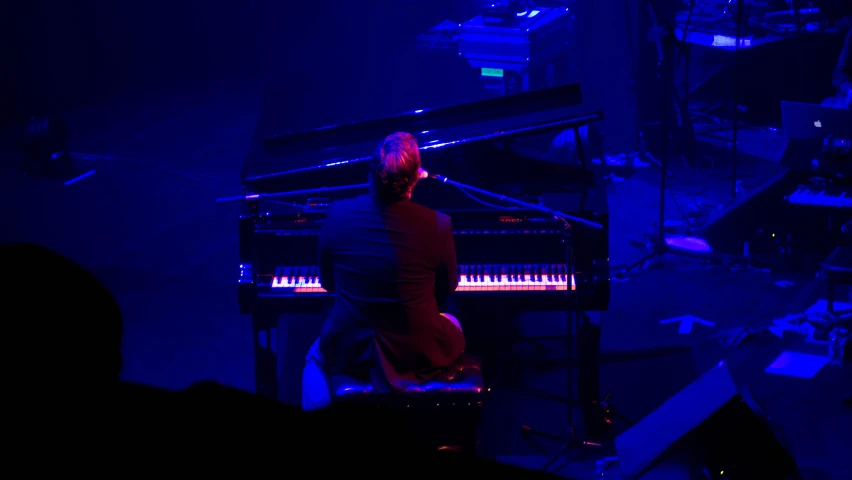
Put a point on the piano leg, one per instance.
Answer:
(588, 381)
(265, 327)
(581, 154)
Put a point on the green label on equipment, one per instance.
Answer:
(492, 72)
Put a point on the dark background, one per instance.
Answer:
(342, 60)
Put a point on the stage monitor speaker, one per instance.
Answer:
(710, 430)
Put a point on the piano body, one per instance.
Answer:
(513, 257)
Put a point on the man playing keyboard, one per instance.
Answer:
(389, 262)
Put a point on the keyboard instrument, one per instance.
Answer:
(830, 196)
(509, 256)
(471, 278)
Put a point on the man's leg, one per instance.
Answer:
(316, 393)
(453, 341)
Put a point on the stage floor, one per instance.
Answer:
(147, 224)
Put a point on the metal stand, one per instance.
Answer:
(680, 108)
(668, 72)
(264, 326)
(735, 134)
(666, 51)
(571, 441)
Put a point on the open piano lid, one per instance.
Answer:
(340, 154)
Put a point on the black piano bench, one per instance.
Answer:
(837, 270)
(446, 408)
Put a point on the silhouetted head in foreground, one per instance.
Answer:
(65, 326)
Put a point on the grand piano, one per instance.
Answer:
(512, 256)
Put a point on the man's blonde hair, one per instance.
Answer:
(396, 166)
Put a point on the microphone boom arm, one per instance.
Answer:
(504, 198)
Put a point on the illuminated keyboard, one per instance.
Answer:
(472, 278)
(510, 278)
(822, 197)
(512, 259)
(297, 280)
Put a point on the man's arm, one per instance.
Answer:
(447, 278)
(843, 71)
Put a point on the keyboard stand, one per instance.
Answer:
(265, 328)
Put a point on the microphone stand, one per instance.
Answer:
(668, 43)
(736, 113)
(666, 50)
(571, 313)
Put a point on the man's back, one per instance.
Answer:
(389, 264)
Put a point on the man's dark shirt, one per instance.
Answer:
(843, 71)
(389, 266)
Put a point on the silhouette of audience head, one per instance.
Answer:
(66, 326)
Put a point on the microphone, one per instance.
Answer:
(422, 174)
